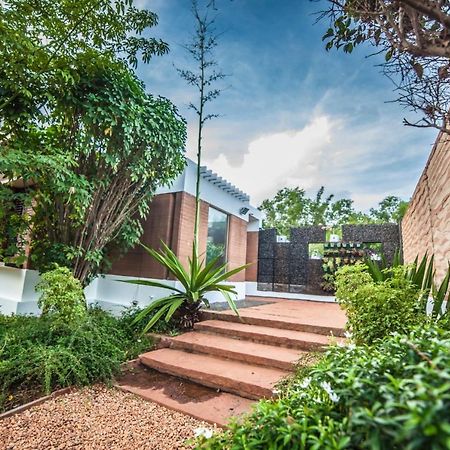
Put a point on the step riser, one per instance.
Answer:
(245, 390)
(272, 323)
(261, 338)
(222, 353)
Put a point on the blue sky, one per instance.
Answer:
(292, 114)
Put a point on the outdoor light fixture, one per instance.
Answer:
(243, 211)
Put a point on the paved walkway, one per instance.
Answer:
(239, 359)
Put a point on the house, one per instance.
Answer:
(229, 227)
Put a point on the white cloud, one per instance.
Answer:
(276, 160)
(345, 158)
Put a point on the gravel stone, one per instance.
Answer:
(98, 418)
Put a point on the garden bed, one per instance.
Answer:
(98, 418)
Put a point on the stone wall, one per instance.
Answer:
(426, 225)
(388, 234)
(286, 267)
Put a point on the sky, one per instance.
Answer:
(291, 113)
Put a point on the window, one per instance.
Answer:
(216, 245)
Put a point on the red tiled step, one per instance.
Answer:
(245, 351)
(265, 318)
(238, 378)
(267, 335)
(183, 396)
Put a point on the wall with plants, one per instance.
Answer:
(287, 266)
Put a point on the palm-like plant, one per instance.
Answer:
(196, 281)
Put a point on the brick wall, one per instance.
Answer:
(171, 220)
(426, 225)
(237, 246)
(183, 226)
(251, 273)
(157, 227)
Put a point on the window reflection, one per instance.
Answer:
(216, 246)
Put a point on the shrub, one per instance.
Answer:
(378, 309)
(37, 356)
(62, 297)
(393, 395)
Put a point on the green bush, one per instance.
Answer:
(377, 309)
(394, 395)
(38, 356)
(62, 297)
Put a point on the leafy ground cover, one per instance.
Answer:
(392, 395)
(38, 355)
(388, 389)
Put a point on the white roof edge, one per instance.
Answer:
(221, 183)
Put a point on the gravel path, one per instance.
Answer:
(95, 419)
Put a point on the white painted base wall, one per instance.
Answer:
(252, 289)
(18, 295)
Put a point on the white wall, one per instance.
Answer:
(17, 291)
(111, 292)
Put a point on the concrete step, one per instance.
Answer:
(245, 380)
(240, 350)
(261, 317)
(184, 396)
(267, 335)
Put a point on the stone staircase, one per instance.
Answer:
(244, 356)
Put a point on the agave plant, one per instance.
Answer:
(199, 279)
(421, 275)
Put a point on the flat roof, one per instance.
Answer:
(214, 178)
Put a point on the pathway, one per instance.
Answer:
(231, 361)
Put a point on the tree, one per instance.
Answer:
(342, 212)
(292, 208)
(41, 39)
(288, 209)
(204, 78)
(414, 36)
(77, 126)
(319, 209)
(125, 143)
(390, 210)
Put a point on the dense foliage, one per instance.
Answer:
(124, 143)
(38, 355)
(376, 309)
(78, 132)
(291, 207)
(62, 297)
(394, 395)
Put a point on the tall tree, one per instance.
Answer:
(291, 208)
(204, 78)
(77, 124)
(390, 210)
(414, 36)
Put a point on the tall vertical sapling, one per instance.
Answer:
(200, 277)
